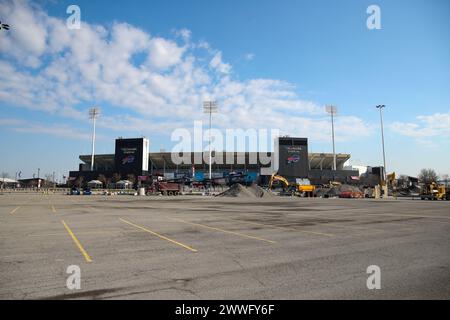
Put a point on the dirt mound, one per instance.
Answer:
(240, 191)
(260, 192)
(336, 191)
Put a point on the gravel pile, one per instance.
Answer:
(240, 191)
(335, 191)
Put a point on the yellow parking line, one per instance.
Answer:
(222, 230)
(53, 209)
(158, 235)
(12, 211)
(79, 233)
(80, 247)
(286, 228)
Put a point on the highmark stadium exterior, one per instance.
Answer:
(290, 159)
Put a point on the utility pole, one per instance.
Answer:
(93, 114)
(210, 107)
(380, 107)
(332, 110)
(39, 180)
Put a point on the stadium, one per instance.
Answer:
(290, 159)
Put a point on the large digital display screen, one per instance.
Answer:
(293, 157)
(130, 156)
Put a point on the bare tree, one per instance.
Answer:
(79, 181)
(427, 176)
(48, 179)
(132, 178)
(116, 177)
(108, 182)
(4, 176)
(102, 179)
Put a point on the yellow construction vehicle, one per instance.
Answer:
(275, 177)
(302, 188)
(433, 191)
(334, 184)
(305, 188)
(391, 179)
(392, 183)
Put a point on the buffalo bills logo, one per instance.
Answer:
(294, 158)
(128, 159)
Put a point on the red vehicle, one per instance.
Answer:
(164, 188)
(351, 194)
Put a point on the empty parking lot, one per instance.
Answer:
(222, 248)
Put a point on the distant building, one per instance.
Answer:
(360, 168)
(291, 159)
(7, 183)
(35, 183)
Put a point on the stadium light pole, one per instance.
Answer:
(332, 110)
(380, 107)
(93, 114)
(210, 107)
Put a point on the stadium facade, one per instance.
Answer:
(290, 159)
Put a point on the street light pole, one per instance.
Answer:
(210, 107)
(93, 114)
(380, 107)
(332, 110)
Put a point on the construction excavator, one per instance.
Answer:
(301, 188)
(274, 177)
(434, 191)
(391, 183)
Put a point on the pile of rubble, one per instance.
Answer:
(342, 191)
(240, 191)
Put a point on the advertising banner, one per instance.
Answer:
(293, 157)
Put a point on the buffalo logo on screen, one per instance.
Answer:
(293, 158)
(128, 159)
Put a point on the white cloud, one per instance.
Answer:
(63, 130)
(217, 64)
(27, 38)
(435, 125)
(50, 68)
(164, 53)
(10, 122)
(249, 56)
(184, 33)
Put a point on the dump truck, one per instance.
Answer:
(305, 188)
(164, 188)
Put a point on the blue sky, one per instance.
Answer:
(270, 64)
